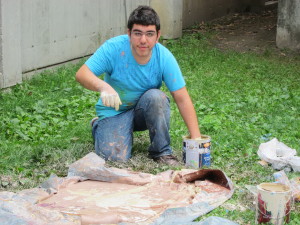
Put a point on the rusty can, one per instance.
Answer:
(196, 152)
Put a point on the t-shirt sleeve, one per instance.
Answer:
(100, 61)
(172, 75)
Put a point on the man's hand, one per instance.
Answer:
(110, 97)
(199, 138)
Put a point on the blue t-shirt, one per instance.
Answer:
(130, 79)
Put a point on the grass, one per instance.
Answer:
(242, 100)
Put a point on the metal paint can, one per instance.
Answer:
(273, 203)
(196, 153)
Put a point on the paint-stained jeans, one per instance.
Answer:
(113, 136)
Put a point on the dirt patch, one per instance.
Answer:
(245, 32)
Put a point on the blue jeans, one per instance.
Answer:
(113, 136)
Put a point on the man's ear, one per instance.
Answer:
(128, 32)
(158, 36)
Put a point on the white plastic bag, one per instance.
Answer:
(279, 155)
(295, 163)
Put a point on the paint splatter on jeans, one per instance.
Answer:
(113, 136)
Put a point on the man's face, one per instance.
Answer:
(142, 40)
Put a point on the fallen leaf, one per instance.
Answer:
(263, 163)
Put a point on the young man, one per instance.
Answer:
(135, 65)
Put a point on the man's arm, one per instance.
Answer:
(187, 111)
(87, 79)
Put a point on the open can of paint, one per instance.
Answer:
(196, 152)
(273, 203)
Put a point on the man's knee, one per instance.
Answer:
(113, 151)
(156, 96)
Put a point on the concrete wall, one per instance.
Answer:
(10, 54)
(56, 31)
(288, 25)
(1, 52)
(170, 13)
(40, 33)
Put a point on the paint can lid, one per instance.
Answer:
(274, 187)
(203, 137)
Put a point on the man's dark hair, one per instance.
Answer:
(143, 15)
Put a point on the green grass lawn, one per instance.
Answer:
(241, 100)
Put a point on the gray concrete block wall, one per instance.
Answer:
(1, 54)
(56, 31)
(10, 55)
(170, 13)
(288, 25)
(38, 34)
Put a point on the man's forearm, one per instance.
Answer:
(187, 111)
(189, 116)
(88, 80)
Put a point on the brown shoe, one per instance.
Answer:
(167, 159)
